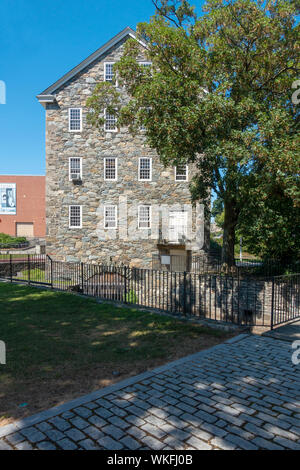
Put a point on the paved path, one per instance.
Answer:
(243, 394)
(290, 332)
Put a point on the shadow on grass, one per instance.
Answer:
(60, 346)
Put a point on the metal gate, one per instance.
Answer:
(32, 269)
(285, 299)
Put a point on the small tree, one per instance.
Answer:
(218, 94)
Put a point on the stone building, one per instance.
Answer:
(108, 197)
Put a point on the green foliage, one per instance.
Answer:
(217, 207)
(219, 86)
(105, 96)
(270, 223)
(216, 244)
(36, 274)
(7, 239)
(131, 297)
(219, 219)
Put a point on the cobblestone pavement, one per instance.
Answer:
(242, 394)
(290, 332)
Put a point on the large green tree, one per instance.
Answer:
(270, 222)
(218, 94)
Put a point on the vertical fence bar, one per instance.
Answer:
(272, 304)
(10, 267)
(125, 284)
(51, 272)
(184, 293)
(82, 280)
(28, 264)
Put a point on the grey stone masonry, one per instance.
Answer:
(93, 242)
(228, 387)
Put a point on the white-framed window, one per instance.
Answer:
(144, 217)
(75, 168)
(110, 169)
(75, 119)
(75, 216)
(110, 124)
(110, 216)
(145, 169)
(109, 75)
(178, 225)
(181, 173)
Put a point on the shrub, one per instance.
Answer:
(9, 240)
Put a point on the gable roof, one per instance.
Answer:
(47, 95)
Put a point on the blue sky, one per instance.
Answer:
(40, 40)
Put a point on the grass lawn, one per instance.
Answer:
(20, 256)
(61, 346)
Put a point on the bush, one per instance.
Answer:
(9, 240)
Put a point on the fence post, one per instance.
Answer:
(28, 269)
(82, 280)
(51, 271)
(125, 284)
(272, 305)
(10, 267)
(184, 293)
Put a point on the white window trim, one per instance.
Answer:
(109, 130)
(70, 158)
(104, 77)
(75, 130)
(116, 217)
(144, 158)
(150, 217)
(76, 226)
(116, 169)
(187, 174)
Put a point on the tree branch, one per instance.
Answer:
(162, 13)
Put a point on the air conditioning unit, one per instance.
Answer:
(75, 177)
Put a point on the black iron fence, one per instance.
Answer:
(26, 268)
(211, 263)
(231, 299)
(285, 299)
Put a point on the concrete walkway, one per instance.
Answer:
(242, 394)
(290, 332)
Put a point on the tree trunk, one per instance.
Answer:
(230, 222)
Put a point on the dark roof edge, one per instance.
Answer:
(68, 76)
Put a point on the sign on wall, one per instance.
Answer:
(8, 202)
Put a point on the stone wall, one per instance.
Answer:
(93, 243)
(235, 300)
(219, 298)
